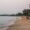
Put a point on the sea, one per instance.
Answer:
(6, 21)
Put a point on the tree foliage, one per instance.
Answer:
(26, 12)
(19, 14)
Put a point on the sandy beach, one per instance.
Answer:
(20, 24)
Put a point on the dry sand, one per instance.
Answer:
(21, 24)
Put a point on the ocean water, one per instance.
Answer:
(5, 21)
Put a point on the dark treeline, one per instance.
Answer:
(26, 12)
(18, 14)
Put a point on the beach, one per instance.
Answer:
(20, 24)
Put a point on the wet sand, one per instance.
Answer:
(21, 24)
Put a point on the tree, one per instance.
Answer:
(26, 12)
(19, 14)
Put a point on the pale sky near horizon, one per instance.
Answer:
(13, 6)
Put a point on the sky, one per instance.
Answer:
(13, 6)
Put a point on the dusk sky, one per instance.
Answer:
(13, 6)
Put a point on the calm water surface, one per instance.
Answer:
(6, 21)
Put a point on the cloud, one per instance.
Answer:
(6, 6)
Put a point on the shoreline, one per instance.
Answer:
(7, 26)
(21, 24)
